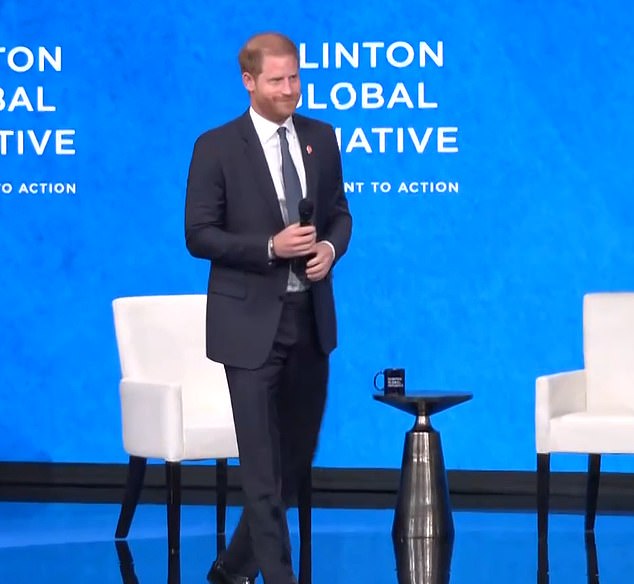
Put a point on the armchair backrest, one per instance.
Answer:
(608, 347)
(162, 339)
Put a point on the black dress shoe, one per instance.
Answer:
(218, 574)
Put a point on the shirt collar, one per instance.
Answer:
(266, 129)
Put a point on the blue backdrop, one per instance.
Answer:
(475, 286)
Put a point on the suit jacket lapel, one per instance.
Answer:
(255, 153)
(310, 160)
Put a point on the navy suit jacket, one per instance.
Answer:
(232, 209)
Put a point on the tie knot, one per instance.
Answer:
(282, 133)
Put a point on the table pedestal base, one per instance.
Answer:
(423, 508)
(423, 560)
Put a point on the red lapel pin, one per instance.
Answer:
(309, 149)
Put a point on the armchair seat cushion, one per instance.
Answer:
(590, 432)
(204, 439)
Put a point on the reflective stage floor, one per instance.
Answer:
(67, 543)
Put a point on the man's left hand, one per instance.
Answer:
(319, 265)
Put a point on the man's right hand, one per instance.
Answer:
(294, 241)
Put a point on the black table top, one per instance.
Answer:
(424, 402)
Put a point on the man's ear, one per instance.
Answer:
(248, 81)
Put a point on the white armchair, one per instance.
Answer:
(175, 402)
(590, 410)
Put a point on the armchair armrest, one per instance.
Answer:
(152, 419)
(556, 395)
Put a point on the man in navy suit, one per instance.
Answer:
(270, 304)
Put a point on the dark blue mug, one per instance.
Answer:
(393, 381)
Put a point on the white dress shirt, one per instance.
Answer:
(270, 140)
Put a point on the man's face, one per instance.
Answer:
(275, 91)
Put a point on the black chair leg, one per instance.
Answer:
(174, 569)
(304, 508)
(173, 476)
(543, 569)
(543, 491)
(221, 504)
(134, 484)
(592, 493)
(592, 562)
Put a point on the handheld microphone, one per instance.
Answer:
(305, 209)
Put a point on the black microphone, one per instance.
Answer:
(305, 209)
